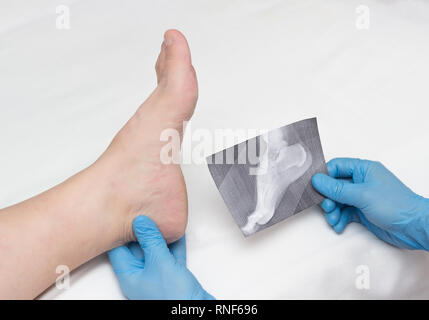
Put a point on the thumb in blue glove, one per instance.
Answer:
(366, 192)
(152, 270)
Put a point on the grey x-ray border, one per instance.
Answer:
(238, 187)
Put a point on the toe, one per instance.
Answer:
(177, 52)
(176, 75)
(177, 71)
(174, 60)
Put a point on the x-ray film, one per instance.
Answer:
(267, 179)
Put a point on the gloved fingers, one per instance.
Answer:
(348, 214)
(151, 240)
(337, 190)
(343, 167)
(328, 205)
(136, 250)
(123, 260)
(333, 217)
(178, 250)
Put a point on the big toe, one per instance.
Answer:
(175, 73)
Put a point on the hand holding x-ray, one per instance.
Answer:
(366, 192)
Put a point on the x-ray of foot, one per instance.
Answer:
(280, 166)
(279, 185)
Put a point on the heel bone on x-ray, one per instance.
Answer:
(275, 186)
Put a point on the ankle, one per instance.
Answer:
(113, 213)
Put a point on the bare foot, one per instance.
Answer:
(93, 210)
(139, 183)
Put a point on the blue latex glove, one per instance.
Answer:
(151, 270)
(366, 192)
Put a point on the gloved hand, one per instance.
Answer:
(151, 270)
(366, 192)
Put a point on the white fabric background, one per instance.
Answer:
(260, 64)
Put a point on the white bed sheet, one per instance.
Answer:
(260, 64)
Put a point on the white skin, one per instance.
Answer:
(280, 166)
(92, 212)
